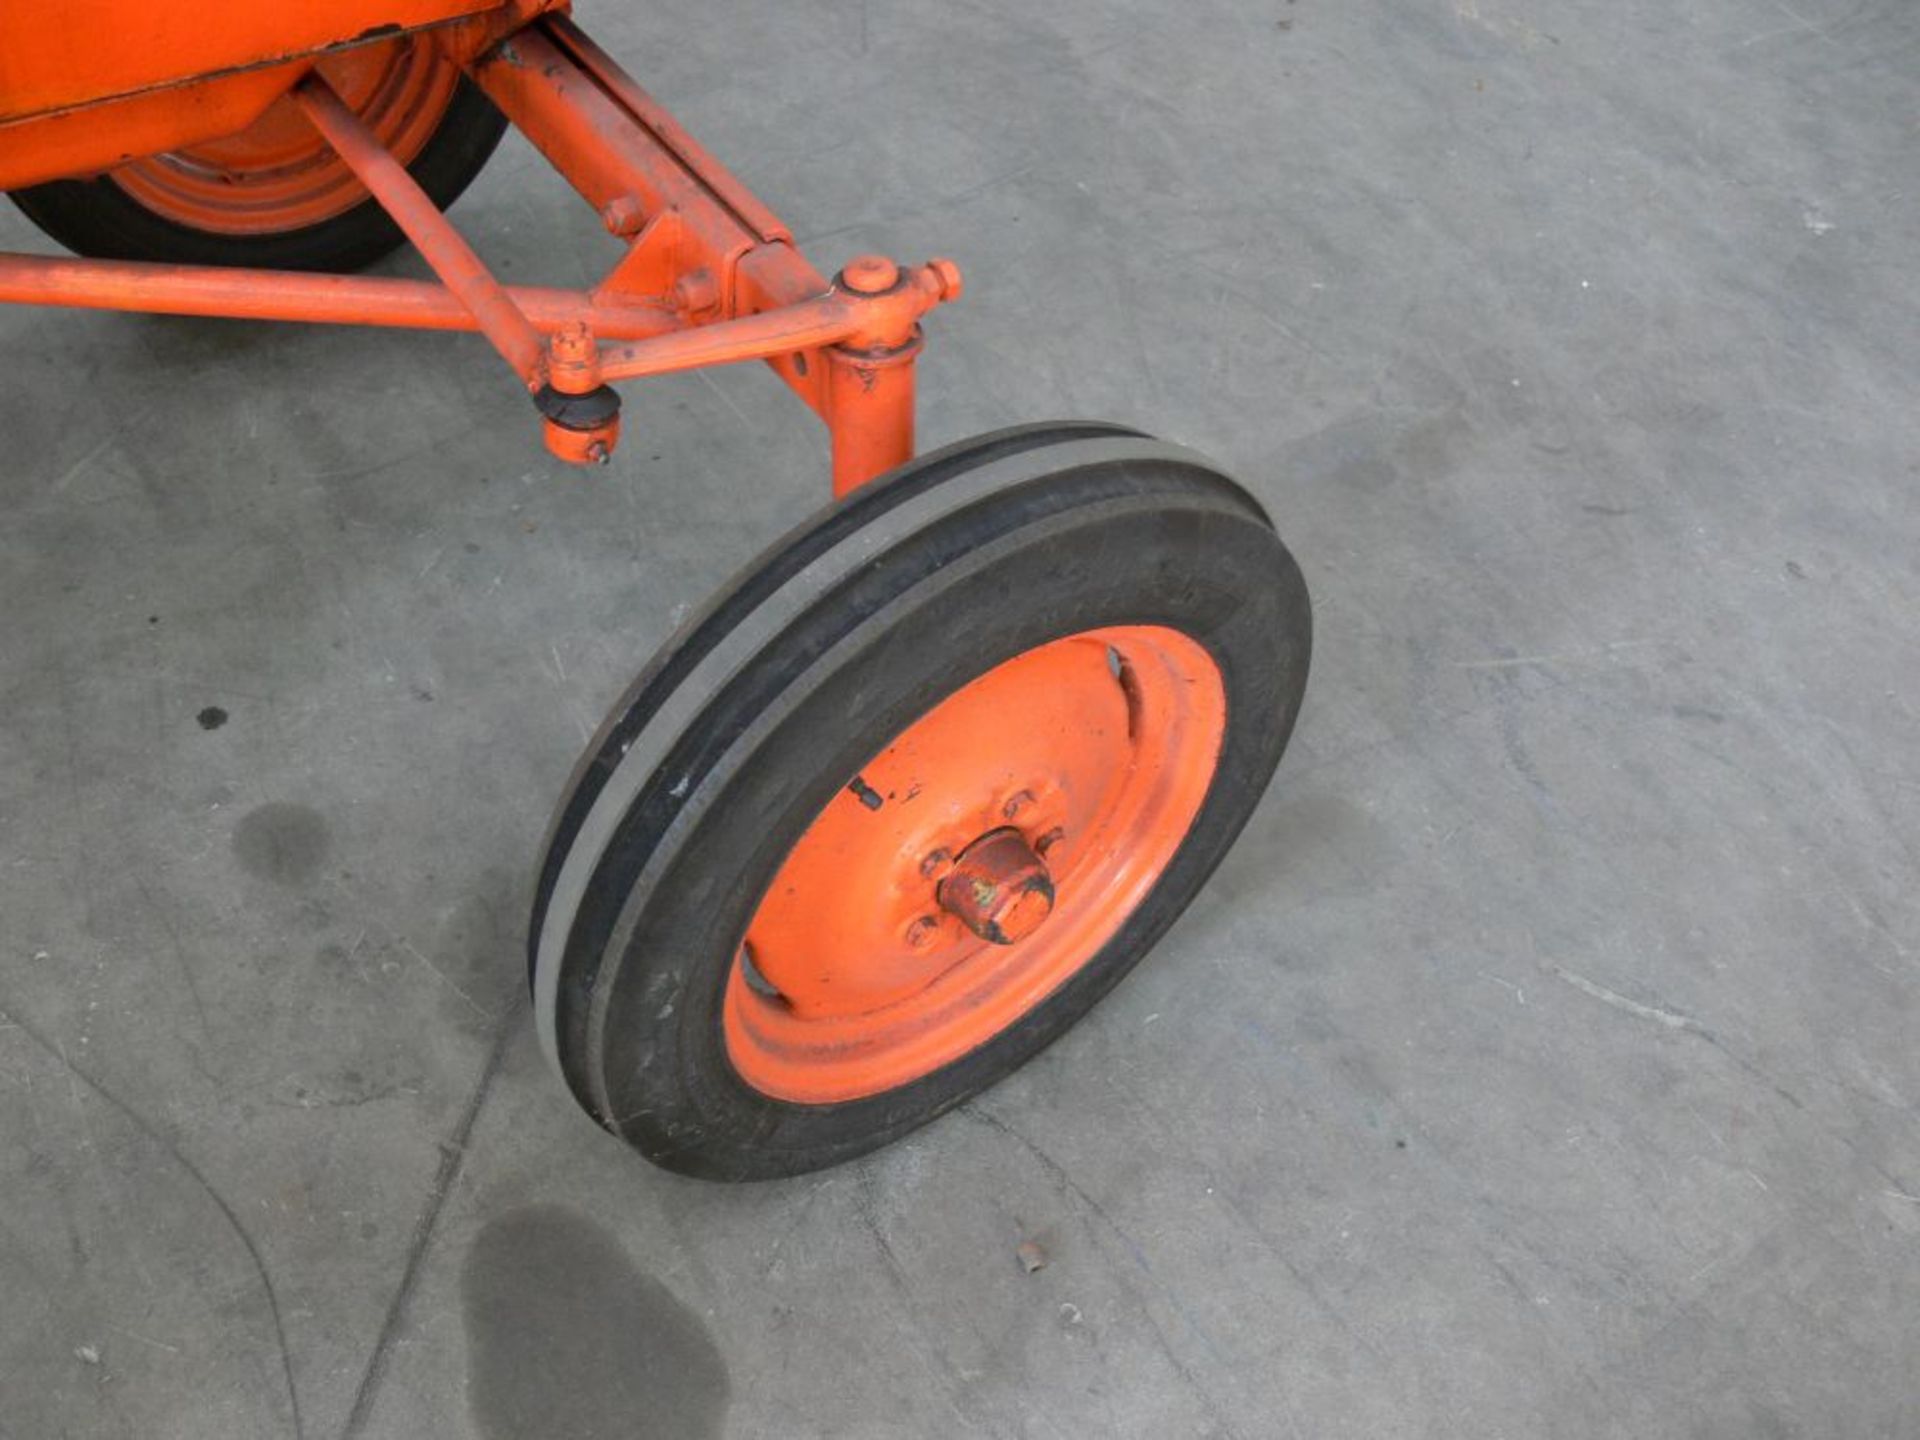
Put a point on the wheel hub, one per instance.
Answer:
(998, 888)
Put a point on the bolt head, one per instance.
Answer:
(870, 274)
(695, 291)
(623, 216)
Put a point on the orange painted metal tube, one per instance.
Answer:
(869, 411)
(242, 294)
(439, 244)
(883, 320)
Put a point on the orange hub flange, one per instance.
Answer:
(279, 174)
(975, 864)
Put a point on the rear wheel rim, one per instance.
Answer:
(854, 979)
(279, 174)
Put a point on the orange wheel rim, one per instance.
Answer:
(279, 174)
(976, 864)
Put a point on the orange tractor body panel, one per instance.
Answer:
(91, 84)
(81, 52)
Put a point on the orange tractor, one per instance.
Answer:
(929, 776)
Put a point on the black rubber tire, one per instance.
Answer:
(720, 755)
(97, 218)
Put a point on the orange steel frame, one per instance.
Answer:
(710, 276)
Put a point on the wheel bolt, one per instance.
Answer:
(921, 932)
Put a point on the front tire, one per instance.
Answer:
(743, 960)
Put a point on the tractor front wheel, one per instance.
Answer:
(915, 792)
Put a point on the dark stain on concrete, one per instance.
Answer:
(567, 1337)
(282, 842)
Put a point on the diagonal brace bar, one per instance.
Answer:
(451, 258)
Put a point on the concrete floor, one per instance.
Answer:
(1542, 1063)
